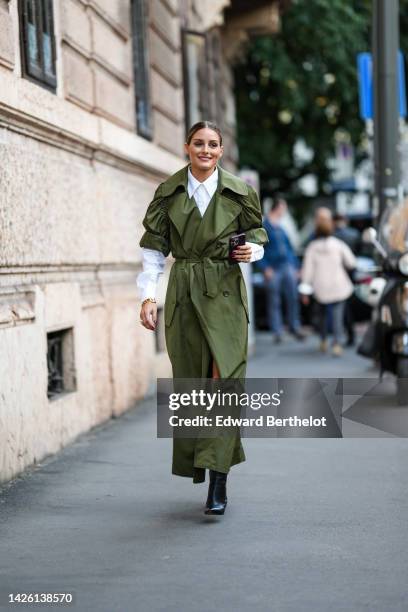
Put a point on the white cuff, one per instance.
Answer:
(147, 285)
(153, 266)
(257, 251)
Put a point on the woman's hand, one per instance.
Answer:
(242, 253)
(148, 315)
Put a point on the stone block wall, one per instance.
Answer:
(6, 36)
(75, 182)
(68, 260)
(166, 76)
(97, 64)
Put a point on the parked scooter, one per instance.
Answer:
(390, 327)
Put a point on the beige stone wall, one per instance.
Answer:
(75, 181)
(96, 56)
(97, 64)
(68, 258)
(6, 36)
(166, 75)
(108, 350)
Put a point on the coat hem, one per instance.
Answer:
(200, 477)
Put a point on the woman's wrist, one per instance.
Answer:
(147, 300)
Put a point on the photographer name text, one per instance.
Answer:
(260, 421)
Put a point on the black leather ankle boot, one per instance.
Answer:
(210, 489)
(217, 493)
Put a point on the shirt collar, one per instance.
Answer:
(226, 181)
(210, 183)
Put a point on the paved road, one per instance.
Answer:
(312, 525)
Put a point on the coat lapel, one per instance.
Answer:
(223, 209)
(230, 182)
(196, 232)
(182, 210)
(184, 215)
(220, 213)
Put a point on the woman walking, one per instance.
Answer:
(193, 215)
(324, 271)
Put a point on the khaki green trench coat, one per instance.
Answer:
(206, 307)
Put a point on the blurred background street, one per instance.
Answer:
(96, 98)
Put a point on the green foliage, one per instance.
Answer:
(301, 83)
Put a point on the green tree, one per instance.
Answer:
(301, 84)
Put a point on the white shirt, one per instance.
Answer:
(153, 261)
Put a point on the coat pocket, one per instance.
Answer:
(244, 296)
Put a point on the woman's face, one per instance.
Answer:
(204, 149)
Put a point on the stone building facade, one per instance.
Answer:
(95, 96)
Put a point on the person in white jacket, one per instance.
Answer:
(324, 273)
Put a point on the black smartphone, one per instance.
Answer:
(234, 241)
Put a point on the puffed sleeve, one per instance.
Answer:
(156, 224)
(250, 219)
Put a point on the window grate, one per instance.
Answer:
(38, 41)
(141, 66)
(60, 362)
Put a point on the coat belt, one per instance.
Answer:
(210, 272)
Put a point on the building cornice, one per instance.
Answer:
(105, 152)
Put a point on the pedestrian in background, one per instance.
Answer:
(347, 234)
(352, 238)
(280, 267)
(324, 273)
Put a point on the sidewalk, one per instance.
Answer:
(303, 359)
(311, 525)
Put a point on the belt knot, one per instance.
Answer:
(210, 272)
